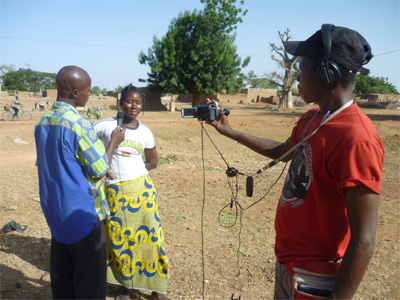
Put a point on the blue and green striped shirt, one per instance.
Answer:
(69, 159)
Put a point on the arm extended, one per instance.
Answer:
(269, 148)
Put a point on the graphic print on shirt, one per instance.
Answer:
(298, 179)
(129, 148)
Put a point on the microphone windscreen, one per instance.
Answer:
(249, 186)
(120, 118)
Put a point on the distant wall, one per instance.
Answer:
(240, 98)
(49, 94)
(25, 94)
(261, 95)
(153, 100)
(245, 96)
(188, 98)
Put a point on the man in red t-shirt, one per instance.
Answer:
(327, 214)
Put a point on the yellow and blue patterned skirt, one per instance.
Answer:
(135, 241)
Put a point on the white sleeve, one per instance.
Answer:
(150, 141)
(100, 128)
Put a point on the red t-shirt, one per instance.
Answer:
(311, 219)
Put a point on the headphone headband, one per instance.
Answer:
(326, 32)
(328, 72)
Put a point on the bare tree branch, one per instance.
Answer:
(289, 64)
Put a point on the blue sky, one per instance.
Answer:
(105, 37)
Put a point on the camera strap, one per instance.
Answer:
(325, 120)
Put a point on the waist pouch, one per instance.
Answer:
(314, 280)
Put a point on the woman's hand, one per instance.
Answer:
(110, 174)
(117, 137)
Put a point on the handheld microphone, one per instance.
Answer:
(120, 118)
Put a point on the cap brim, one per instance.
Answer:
(291, 47)
(302, 49)
(363, 71)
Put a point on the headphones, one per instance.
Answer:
(328, 72)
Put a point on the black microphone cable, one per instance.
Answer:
(232, 175)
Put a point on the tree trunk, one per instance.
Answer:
(286, 100)
(290, 100)
(196, 98)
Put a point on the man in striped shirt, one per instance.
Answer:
(71, 160)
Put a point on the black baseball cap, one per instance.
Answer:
(348, 49)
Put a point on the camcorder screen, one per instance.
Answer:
(189, 112)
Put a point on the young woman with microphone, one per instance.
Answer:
(136, 257)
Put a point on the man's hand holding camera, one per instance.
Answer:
(205, 112)
(221, 124)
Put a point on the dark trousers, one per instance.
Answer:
(78, 271)
(16, 110)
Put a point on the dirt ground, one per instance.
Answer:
(208, 259)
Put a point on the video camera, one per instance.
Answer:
(205, 112)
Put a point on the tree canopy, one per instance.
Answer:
(364, 84)
(258, 82)
(27, 80)
(197, 55)
(96, 90)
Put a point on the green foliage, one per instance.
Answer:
(95, 90)
(255, 82)
(197, 55)
(119, 88)
(104, 91)
(93, 113)
(28, 80)
(4, 69)
(223, 15)
(364, 84)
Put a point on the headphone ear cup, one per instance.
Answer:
(328, 75)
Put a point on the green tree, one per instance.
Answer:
(119, 88)
(249, 78)
(365, 84)
(95, 90)
(291, 69)
(197, 54)
(28, 80)
(258, 82)
(104, 91)
(4, 69)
